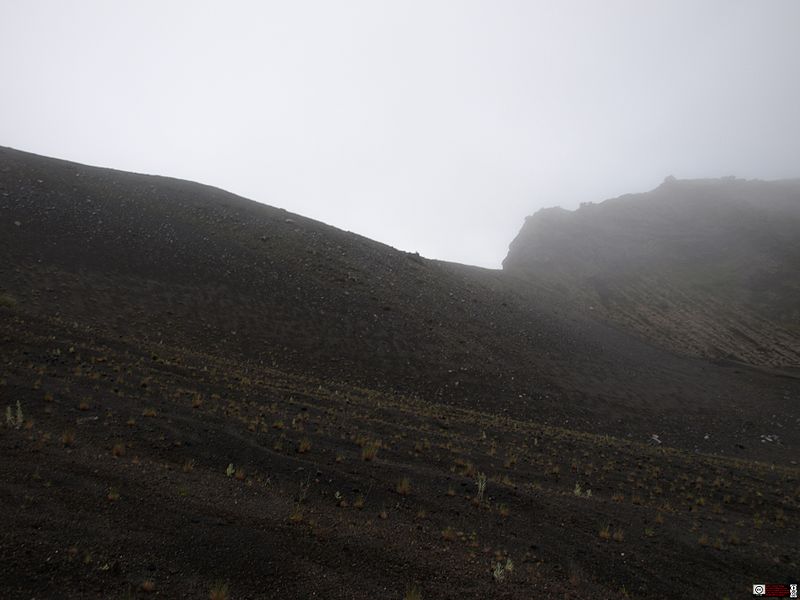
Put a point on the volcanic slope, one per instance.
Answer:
(204, 388)
(707, 267)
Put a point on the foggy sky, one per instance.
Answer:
(433, 126)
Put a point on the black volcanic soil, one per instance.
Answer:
(185, 329)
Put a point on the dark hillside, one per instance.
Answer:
(704, 267)
(182, 264)
(199, 388)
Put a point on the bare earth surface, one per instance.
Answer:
(154, 332)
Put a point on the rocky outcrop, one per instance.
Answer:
(706, 267)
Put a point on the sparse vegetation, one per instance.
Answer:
(480, 482)
(218, 591)
(403, 486)
(369, 451)
(502, 569)
(15, 418)
(68, 437)
(7, 301)
(296, 516)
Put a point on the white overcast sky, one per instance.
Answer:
(433, 126)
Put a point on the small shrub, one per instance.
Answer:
(605, 533)
(188, 466)
(304, 446)
(413, 593)
(449, 534)
(230, 470)
(501, 570)
(218, 591)
(113, 494)
(296, 516)
(14, 419)
(118, 450)
(480, 482)
(370, 450)
(149, 412)
(68, 437)
(148, 586)
(7, 301)
(240, 474)
(403, 487)
(619, 535)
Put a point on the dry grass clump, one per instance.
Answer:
(240, 474)
(118, 450)
(148, 586)
(403, 487)
(449, 534)
(605, 533)
(370, 450)
(218, 591)
(304, 446)
(68, 437)
(7, 301)
(296, 516)
(413, 593)
(149, 412)
(619, 535)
